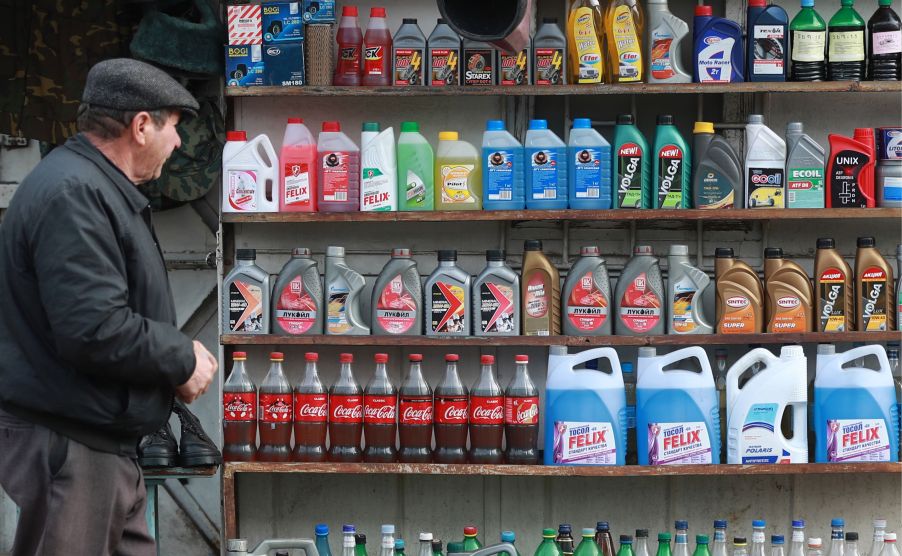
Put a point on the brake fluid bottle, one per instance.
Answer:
(409, 54)
(549, 54)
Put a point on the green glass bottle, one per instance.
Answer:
(436, 547)
(846, 45)
(663, 544)
(399, 547)
(808, 42)
(701, 546)
(587, 546)
(360, 544)
(471, 543)
(548, 547)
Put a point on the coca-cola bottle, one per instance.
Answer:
(276, 411)
(311, 414)
(486, 415)
(451, 405)
(239, 413)
(521, 416)
(415, 415)
(345, 414)
(380, 411)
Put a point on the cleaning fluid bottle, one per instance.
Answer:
(885, 43)
(502, 169)
(541, 292)
(416, 169)
(377, 49)
(855, 417)
(584, 404)
(397, 305)
(768, 42)
(339, 170)
(344, 296)
(846, 44)
(663, 45)
(549, 54)
(718, 56)
(546, 171)
(632, 164)
(672, 177)
(444, 56)
(378, 169)
(409, 54)
(790, 300)
(850, 170)
(590, 171)
(686, 286)
(246, 296)
(447, 301)
(585, 42)
(639, 298)
(587, 296)
(805, 162)
(808, 40)
(716, 170)
(740, 296)
(677, 417)
(873, 288)
(297, 163)
(458, 174)
(835, 311)
(247, 176)
(297, 305)
(624, 29)
(350, 49)
(496, 298)
(765, 163)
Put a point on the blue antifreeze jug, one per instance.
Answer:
(546, 168)
(502, 169)
(590, 167)
(718, 55)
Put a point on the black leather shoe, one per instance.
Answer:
(158, 449)
(196, 448)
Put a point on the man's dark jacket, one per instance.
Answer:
(88, 340)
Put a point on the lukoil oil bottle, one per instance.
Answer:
(639, 298)
(344, 291)
(587, 296)
(716, 170)
(247, 175)
(397, 307)
(585, 42)
(444, 56)
(664, 43)
(805, 162)
(541, 292)
(850, 170)
(447, 301)
(873, 288)
(765, 164)
(834, 288)
(632, 164)
(409, 54)
(789, 306)
(624, 27)
(672, 170)
(768, 42)
(416, 169)
(549, 54)
(502, 169)
(458, 174)
(378, 169)
(740, 296)
(247, 293)
(686, 286)
(297, 304)
(590, 171)
(546, 168)
(496, 298)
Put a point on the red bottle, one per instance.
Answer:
(311, 414)
(521, 416)
(415, 415)
(239, 413)
(377, 45)
(350, 44)
(380, 412)
(345, 414)
(275, 413)
(850, 170)
(451, 406)
(486, 415)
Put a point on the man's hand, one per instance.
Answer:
(205, 367)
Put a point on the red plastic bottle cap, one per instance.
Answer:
(346, 358)
(452, 357)
(277, 356)
(487, 359)
(311, 356)
(381, 358)
(295, 120)
(236, 136)
(239, 355)
(863, 132)
(703, 11)
(521, 358)
(757, 3)
(416, 357)
(349, 11)
(331, 126)
(471, 531)
(377, 12)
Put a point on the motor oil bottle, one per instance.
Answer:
(546, 170)
(885, 43)
(888, 173)
(589, 186)
(397, 306)
(790, 300)
(444, 56)
(378, 169)
(581, 404)
(246, 296)
(808, 40)
(496, 298)
(447, 301)
(480, 63)
(757, 420)
(664, 45)
(339, 170)
(672, 174)
(834, 287)
(805, 162)
(850, 170)
(416, 170)
(639, 298)
(632, 164)
(701, 15)
(549, 54)
(250, 182)
(409, 54)
(585, 42)
(350, 49)
(740, 297)
(540, 292)
(718, 56)
(686, 286)
(716, 170)
(846, 56)
(502, 169)
(677, 414)
(768, 43)
(297, 305)
(624, 28)
(587, 296)
(297, 164)
(514, 68)
(874, 284)
(458, 174)
(377, 49)
(765, 163)
(344, 296)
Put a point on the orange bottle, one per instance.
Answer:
(740, 296)
(790, 299)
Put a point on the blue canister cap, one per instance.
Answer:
(807, 3)
(626, 366)
(565, 528)
(798, 523)
(348, 529)
(388, 529)
(720, 523)
(399, 544)
(602, 526)
(759, 524)
(837, 522)
(322, 529)
(582, 123)
(680, 524)
(538, 124)
(508, 536)
(777, 539)
(494, 125)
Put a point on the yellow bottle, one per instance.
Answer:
(458, 174)
(585, 42)
(624, 27)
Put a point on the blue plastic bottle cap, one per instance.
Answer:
(388, 529)
(759, 523)
(582, 123)
(348, 529)
(322, 529)
(807, 3)
(507, 536)
(777, 539)
(602, 526)
(720, 524)
(626, 366)
(837, 522)
(798, 523)
(399, 544)
(538, 124)
(681, 524)
(494, 125)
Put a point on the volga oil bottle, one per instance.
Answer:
(740, 297)
(789, 295)
(632, 164)
(873, 288)
(835, 311)
(541, 292)
(672, 176)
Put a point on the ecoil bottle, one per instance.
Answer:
(502, 169)
(311, 414)
(276, 412)
(380, 413)
(298, 308)
(415, 415)
(521, 416)
(451, 411)
(590, 171)
(345, 414)
(496, 298)
(486, 415)
(765, 164)
(546, 172)
(239, 413)
(805, 162)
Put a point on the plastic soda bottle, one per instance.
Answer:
(509, 537)
(720, 526)
(415, 415)
(486, 415)
(740, 546)
(239, 413)
(521, 416)
(377, 49)
(777, 545)
(797, 548)
(852, 544)
(380, 409)
(275, 413)
(837, 536)
(350, 45)
(701, 546)
(889, 546)
(425, 544)
(360, 544)
(605, 541)
(388, 540)
(564, 539)
(451, 402)
(626, 546)
(681, 546)
(471, 542)
(548, 547)
(322, 539)
(663, 544)
(815, 547)
(348, 544)
(311, 414)
(641, 546)
(437, 548)
(758, 537)
(587, 546)
(297, 165)
(345, 414)
(879, 536)
(399, 547)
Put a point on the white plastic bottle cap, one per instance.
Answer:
(826, 349)
(792, 352)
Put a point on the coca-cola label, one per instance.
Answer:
(415, 411)
(311, 408)
(239, 406)
(380, 410)
(275, 408)
(521, 411)
(346, 409)
(451, 411)
(487, 410)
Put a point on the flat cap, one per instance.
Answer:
(126, 84)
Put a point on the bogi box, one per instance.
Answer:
(283, 64)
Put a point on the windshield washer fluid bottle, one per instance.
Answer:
(502, 169)
(447, 301)
(765, 163)
(790, 299)
(246, 296)
(378, 169)
(768, 42)
(586, 415)
(804, 169)
(496, 298)
(541, 292)
(247, 175)
(740, 295)
(834, 288)
(297, 304)
(344, 296)
(632, 164)
(664, 43)
(755, 411)
(590, 171)
(546, 173)
(686, 286)
(672, 174)
(339, 170)
(677, 410)
(549, 54)
(397, 306)
(624, 28)
(585, 42)
(639, 298)
(409, 54)
(416, 170)
(444, 56)
(458, 174)
(717, 52)
(587, 296)
(716, 170)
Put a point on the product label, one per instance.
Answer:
(790, 315)
(661, 66)
(765, 188)
(336, 176)
(887, 42)
(481, 67)
(374, 60)
(242, 187)
(715, 60)
(295, 308)
(537, 294)
(396, 309)
(451, 410)
(805, 188)
(682, 298)
(337, 318)
(874, 303)
(760, 442)
(296, 184)
(671, 159)
(311, 408)
(581, 443)
(245, 307)
(275, 408)
(845, 187)
(738, 316)
(496, 308)
(892, 189)
(857, 440)
(456, 183)
(588, 46)
(678, 443)
(408, 66)
(375, 191)
(346, 409)
(549, 64)
(349, 60)
(499, 179)
(448, 308)
(515, 67)
(629, 176)
(588, 169)
(626, 41)
(543, 168)
(445, 68)
(521, 411)
(415, 410)
(808, 46)
(587, 306)
(486, 410)
(769, 57)
(640, 308)
(415, 190)
(832, 300)
(715, 191)
(380, 410)
(846, 46)
(239, 406)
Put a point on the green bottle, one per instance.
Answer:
(416, 174)
(456, 547)
(548, 547)
(701, 546)
(587, 546)
(471, 543)
(632, 165)
(663, 544)
(846, 55)
(626, 546)
(669, 187)
(360, 544)
(399, 547)
(808, 44)
(436, 547)
(510, 537)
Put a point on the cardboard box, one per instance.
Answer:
(245, 24)
(282, 22)
(283, 64)
(319, 11)
(244, 65)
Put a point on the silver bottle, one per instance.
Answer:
(397, 307)
(246, 293)
(686, 285)
(297, 297)
(447, 298)
(639, 301)
(586, 296)
(496, 298)
(344, 296)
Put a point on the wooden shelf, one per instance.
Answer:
(162, 473)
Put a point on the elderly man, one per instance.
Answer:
(90, 355)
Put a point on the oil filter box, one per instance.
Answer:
(245, 24)
(282, 22)
(283, 64)
(243, 65)
(319, 11)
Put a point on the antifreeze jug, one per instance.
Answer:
(755, 410)
(416, 169)
(378, 169)
(546, 168)
(238, 547)
(344, 289)
(458, 174)
(297, 164)
(246, 294)
(502, 169)
(339, 170)
(677, 410)
(250, 174)
(587, 296)
(686, 286)
(297, 304)
(590, 171)
(586, 414)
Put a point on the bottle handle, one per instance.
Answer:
(496, 548)
(600, 353)
(696, 352)
(700, 277)
(862, 351)
(759, 355)
(271, 174)
(307, 545)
